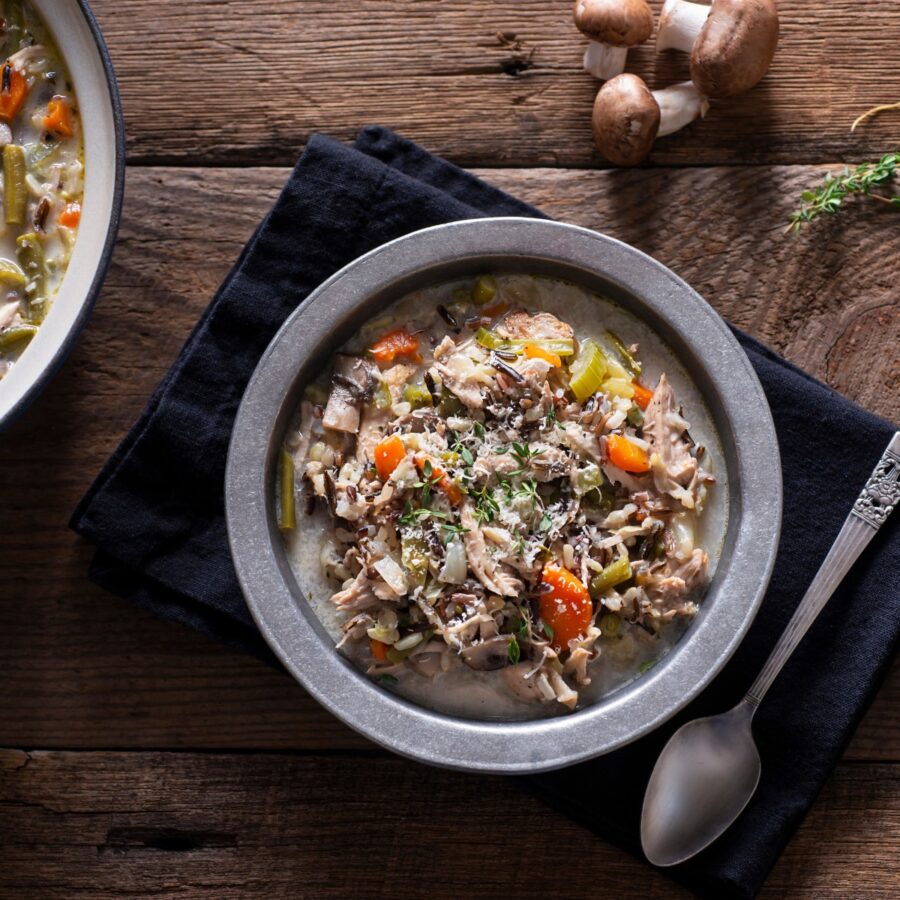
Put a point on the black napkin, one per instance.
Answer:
(156, 510)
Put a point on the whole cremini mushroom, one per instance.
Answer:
(731, 42)
(613, 26)
(629, 117)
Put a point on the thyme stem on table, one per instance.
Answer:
(874, 111)
(861, 180)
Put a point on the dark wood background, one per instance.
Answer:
(143, 759)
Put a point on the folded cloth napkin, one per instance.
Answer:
(156, 510)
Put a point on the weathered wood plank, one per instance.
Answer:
(85, 670)
(248, 82)
(104, 824)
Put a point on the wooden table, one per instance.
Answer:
(145, 759)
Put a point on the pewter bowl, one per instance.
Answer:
(712, 358)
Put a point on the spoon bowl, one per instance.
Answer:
(705, 776)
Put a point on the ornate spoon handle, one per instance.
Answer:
(871, 510)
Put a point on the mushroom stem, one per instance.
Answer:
(604, 61)
(680, 23)
(679, 105)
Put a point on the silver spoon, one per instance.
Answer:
(710, 768)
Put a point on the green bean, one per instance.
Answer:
(11, 274)
(17, 334)
(493, 341)
(31, 259)
(15, 192)
(287, 515)
(614, 574)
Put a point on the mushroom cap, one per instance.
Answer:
(735, 47)
(626, 120)
(619, 23)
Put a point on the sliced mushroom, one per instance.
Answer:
(427, 658)
(487, 655)
(628, 117)
(731, 42)
(527, 684)
(564, 694)
(613, 26)
(352, 383)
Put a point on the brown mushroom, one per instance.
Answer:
(613, 26)
(628, 116)
(731, 42)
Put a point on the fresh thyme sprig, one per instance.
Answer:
(827, 199)
(430, 480)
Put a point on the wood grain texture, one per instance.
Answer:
(105, 825)
(85, 670)
(497, 84)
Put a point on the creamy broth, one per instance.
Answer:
(463, 691)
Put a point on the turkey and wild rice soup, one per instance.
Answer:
(496, 501)
(42, 176)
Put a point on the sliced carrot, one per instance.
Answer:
(388, 455)
(566, 607)
(70, 216)
(394, 344)
(13, 88)
(532, 351)
(642, 395)
(58, 120)
(378, 650)
(451, 490)
(626, 455)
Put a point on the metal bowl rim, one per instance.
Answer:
(541, 744)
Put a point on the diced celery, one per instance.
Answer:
(618, 387)
(382, 398)
(587, 479)
(417, 396)
(630, 362)
(588, 371)
(559, 346)
(484, 290)
(414, 558)
(493, 341)
(609, 625)
(489, 340)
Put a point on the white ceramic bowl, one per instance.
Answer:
(79, 41)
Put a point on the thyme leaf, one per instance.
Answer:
(859, 180)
